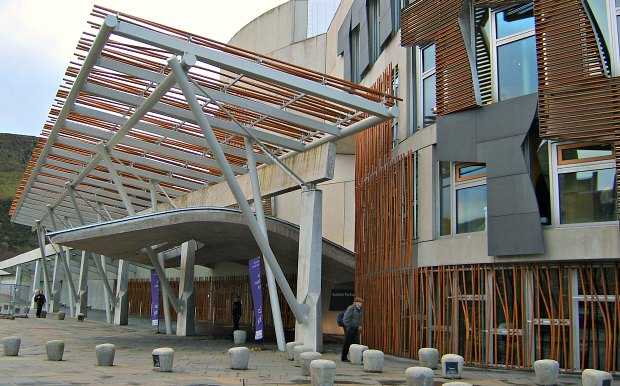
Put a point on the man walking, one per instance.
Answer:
(353, 326)
(39, 299)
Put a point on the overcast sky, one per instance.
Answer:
(38, 38)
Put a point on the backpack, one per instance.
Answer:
(341, 319)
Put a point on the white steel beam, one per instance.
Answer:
(249, 68)
(223, 97)
(185, 115)
(184, 84)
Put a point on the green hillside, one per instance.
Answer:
(15, 152)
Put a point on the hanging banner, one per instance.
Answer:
(154, 299)
(257, 296)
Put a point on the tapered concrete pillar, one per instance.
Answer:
(83, 284)
(309, 268)
(121, 311)
(54, 304)
(36, 283)
(185, 318)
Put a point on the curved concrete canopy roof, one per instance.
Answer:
(223, 232)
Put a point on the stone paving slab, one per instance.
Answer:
(197, 360)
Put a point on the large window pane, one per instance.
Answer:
(471, 208)
(429, 101)
(514, 20)
(516, 67)
(585, 152)
(428, 58)
(445, 205)
(588, 196)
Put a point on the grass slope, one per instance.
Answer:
(15, 152)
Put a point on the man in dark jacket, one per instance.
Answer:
(39, 299)
(236, 312)
(353, 326)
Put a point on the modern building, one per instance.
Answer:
(484, 216)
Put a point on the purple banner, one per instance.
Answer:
(154, 299)
(257, 296)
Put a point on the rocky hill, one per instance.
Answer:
(15, 152)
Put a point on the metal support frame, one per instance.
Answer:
(83, 284)
(177, 70)
(46, 278)
(68, 277)
(36, 282)
(54, 304)
(160, 259)
(260, 216)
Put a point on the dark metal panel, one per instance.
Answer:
(510, 195)
(507, 118)
(503, 156)
(386, 23)
(456, 137)
(506, 236)
(364, 47)
(343, 35)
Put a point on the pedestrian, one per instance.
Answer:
(39, 299)
(353, 326)
(236, 311)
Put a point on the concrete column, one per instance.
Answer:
(309, 268)
(574, 317)
(106, 296)
(489, 305)
(121, 311)
(166, 303)
(54, 303)
(83, 285)
(69, 279)
(186, 318)
(36, 283)
(18, 275)
(528, 282)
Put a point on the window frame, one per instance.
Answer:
(613, 14)
(583, 165)
(420, 77)
(495, 43)
(354, 42)
(374, 27)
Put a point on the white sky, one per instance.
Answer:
(38, 39)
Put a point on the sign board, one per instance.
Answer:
(156, 360)
(341, 299)
(452, 367)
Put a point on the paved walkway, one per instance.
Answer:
(197, 361)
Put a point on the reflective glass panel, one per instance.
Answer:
(514, 20)
(471, 209)
(445, 203)
(516, 67)
(586, 151)
(429, 101)
(588, 196)
(428, 58)
(471, 171)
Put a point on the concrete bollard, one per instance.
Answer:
(356, 352)
(373, 361)
(456, 384)
(11, 345)
(305, 358)
(105, 354)
(290, 354)
(80, 317)
(61, 315)
(452, 366)
(322, 372)
(429, 357)
(547, 371)
(239, 336)
(419, 376)
(163, 359)
(591, 377)
(297, 350)
(239, 358)
(54, 350)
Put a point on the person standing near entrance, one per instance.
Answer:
(39, 299)
(236, 312)
(353, 326)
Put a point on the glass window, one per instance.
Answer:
(427, 79)
(471, 209)
(586, 183)
(470, 171)
(355, 55)
(588, 196)
(516, 68)
(373, 29)
(515, 52)
(445, 201)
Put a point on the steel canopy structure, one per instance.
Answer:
(149, 114)
(152, 141)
